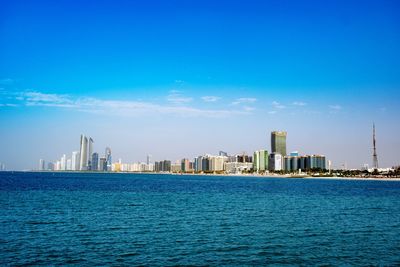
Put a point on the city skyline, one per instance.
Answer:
(184, 79)
(260, 162)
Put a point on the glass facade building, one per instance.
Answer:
(278, 142)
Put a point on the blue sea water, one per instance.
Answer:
(138, 219)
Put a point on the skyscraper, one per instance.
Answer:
(108, 159)
(75, 161)
(94, 162)
(90, 153)
(278, 142)
(63, 163)
(83, 165)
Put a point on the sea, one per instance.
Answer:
(112, 219)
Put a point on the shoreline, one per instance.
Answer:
(287, 176)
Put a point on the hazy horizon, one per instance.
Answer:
(179, 79)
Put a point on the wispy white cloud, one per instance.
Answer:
(272, 112)
(278, 105)
(210, 98)
(121, 107)
(35, 97)
(8, 105)
(176, 97)
(247, 108)
(299, 103)
(335, 107)
(243, 100)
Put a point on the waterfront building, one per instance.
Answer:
(185, 165)
(243, 158)
(286, 163)
(176, 167)
(116, 167)
(57, 166)
(42, 165)
(108, 159)
(302, 163)
(238, 167)
(63, 163)
(294, 163)
(217, 163)
(278, 142)
(83, 165)
(95, 162)
(75, 161)
(260, 160)
(50, 166)
(164, 166)
(90, 153)
(102, 164)
(198, 166)
(294, 153)
(69, 165)
(205, 163)
(275, 162)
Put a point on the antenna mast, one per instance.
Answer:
(374, 155)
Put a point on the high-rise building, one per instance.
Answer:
(108, 159)
(90, 153)
(75, 161)
(69, 165)
(42, 165)
(278, 142)
(63, 163)
(275, 162)
(83, 165)
(198, 166)
(185, 165)
(95, 162)
(260, 160)
(50, 166)
(102, 164)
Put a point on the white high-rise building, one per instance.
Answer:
(42, 166)
(63, 161)
(75, 161)
(83, 165)
(69, 165)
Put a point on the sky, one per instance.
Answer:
(178, 79)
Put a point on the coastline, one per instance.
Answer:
(287, 176)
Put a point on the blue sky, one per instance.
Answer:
(182, 78)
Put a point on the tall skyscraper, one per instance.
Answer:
(83, 165)
(95, 162)
(278, 142)
(75, 161)
(90, 153)
(108, 159)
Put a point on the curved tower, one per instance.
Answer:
(83, 163)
